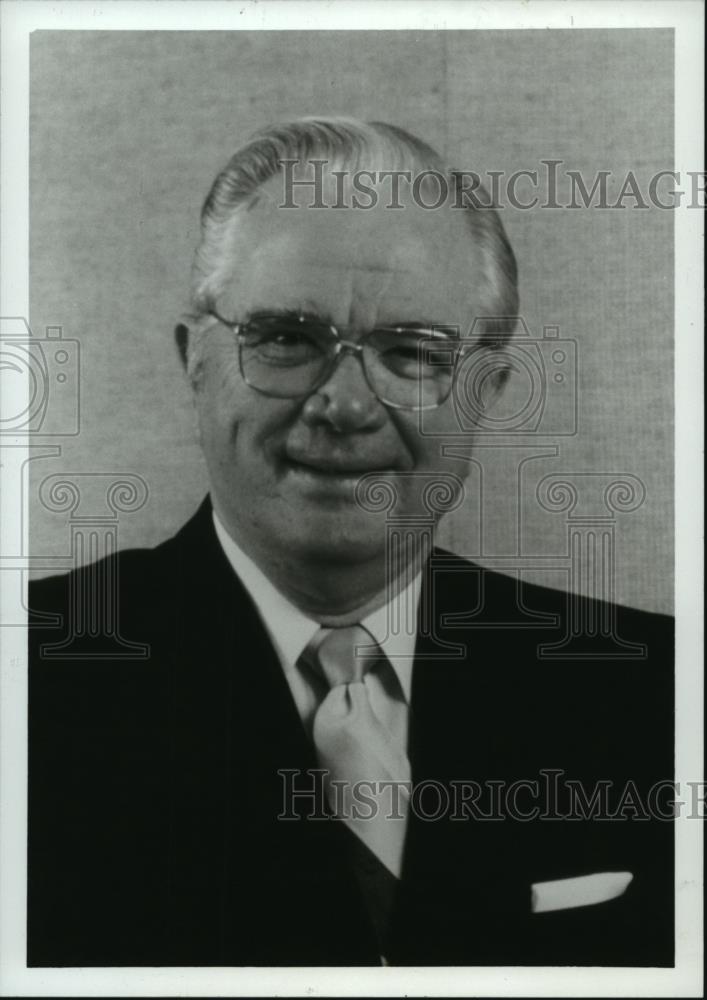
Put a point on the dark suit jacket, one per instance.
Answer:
(154, 790)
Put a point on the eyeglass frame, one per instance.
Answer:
(341, 347)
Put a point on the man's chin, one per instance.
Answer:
(334, 537)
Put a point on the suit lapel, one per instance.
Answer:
(241, 876)
(463, 878)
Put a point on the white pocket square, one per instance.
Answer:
(585, 890)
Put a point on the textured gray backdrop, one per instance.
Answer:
(128, 130)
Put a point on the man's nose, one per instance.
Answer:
(345, 401)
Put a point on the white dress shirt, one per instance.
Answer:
(393, 626)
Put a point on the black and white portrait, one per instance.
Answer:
(341, 453)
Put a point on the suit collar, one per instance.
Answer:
(291, 630)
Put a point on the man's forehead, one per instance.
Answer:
(397, 255)
(350, 282)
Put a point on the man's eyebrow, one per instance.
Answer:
(446, 331)
(312, 315)
(450, 330)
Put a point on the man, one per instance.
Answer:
(305, 768)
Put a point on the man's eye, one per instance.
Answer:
(286, 340)
(403, 359)
(405, 352)
(279, 344)
(414, 357)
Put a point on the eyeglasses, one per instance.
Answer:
(289, 356)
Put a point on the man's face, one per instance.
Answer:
(283, 471)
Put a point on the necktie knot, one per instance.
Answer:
(343, 655)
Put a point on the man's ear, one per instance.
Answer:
(181, 339)
(496, 382)
(493, 375)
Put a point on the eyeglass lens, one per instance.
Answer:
(286, 357)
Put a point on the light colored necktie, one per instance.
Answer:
(354, 734)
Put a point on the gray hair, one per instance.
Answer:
(354, 144)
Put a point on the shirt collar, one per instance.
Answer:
(393, 626)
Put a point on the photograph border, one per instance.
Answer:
(19, 19)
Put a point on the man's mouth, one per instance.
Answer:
(333, 464)
(341, 470)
